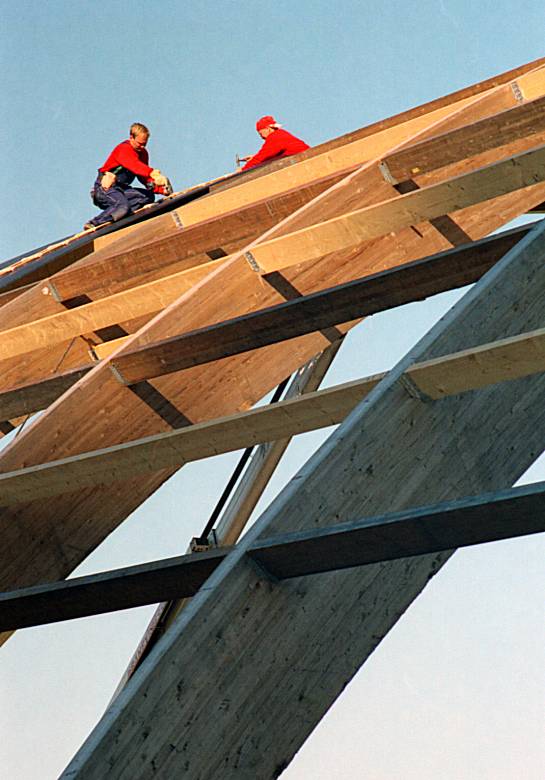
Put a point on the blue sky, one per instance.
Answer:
(456, 690)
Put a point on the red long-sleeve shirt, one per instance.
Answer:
(134, 161)
(277, 144)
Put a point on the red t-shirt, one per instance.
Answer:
(277, 144)
(134, 161)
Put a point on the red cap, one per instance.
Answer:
(265, 121)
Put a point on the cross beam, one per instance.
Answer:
(474, 520)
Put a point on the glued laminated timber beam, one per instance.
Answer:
(218, 233)
(504, 360)
(309, 244)
(363, 297)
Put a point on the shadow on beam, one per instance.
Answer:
(487, 518)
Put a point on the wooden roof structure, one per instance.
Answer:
(146, 345)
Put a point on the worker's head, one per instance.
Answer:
(138, 135)
(266, 125)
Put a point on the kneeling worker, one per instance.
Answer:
(278, 143)
(112, 191)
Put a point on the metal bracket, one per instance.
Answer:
(254, 265)
(117, 374)
(50, 289)
(517, 92)
(386, 173)
(177, 221)
(412, 389)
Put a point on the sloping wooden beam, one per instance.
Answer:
(378, 292)
(504, 360)
(309, 244)
(281, 653)
(395, 287)
(497, 130)
(525, 120)
(349, 230)
(476, 520)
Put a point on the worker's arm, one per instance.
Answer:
(272, 148)
(127, 157)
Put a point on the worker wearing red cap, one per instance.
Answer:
(278, 143)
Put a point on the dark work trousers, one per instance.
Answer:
(117, 202)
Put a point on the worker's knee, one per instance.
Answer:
(119, 211)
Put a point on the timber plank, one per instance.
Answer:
(478, 367)
(363, 297)
(524, 120)
(453, 195)
(310, 244)
(200, 237)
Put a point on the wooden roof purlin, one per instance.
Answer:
(99, 412)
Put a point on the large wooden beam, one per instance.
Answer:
(349, 230)
(221, 231)
(395, 287)
(310, 244)
(414, 281)
(476, 520)
(281, 653)
(526, 119)
(504, 360)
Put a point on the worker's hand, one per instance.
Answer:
(157, 177)
(163, 189)
(108, 180)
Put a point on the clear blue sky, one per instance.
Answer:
(457, 689)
